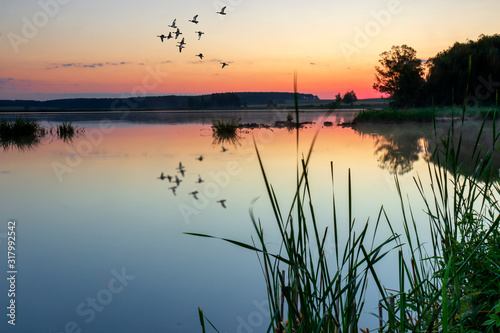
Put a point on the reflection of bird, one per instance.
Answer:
(194, 194)
(200, 55)
(173, 24)
(199, 34)
(224, 64)
(177, 33)
(194, 19)
(162, 36)
(222, 11)
(199, 181)
(200, 158)
(223, 203)
(173, 188)
(224, 149)
(177, 180)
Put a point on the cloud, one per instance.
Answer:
(4, 81)
(82, 65)
(312, 63)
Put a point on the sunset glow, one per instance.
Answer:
(63, 48)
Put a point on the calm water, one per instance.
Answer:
(99, 238)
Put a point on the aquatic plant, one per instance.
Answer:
(67, 131)
(22, 133)
(225, 132)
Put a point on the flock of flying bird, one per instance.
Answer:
(182, 170)
(177, 33)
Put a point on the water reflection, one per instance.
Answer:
(399, 146)
(22, 143)
(107, 209)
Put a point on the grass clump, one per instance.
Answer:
(225, 128)
(20, 127)
(23, 133)
(67, 131)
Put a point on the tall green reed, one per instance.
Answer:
(307, 292)
(456, 287)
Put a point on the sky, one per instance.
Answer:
(74, 48)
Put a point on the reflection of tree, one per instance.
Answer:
(397, 154)
(397, 147)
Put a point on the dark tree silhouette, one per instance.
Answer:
(350, 97)
(448, 75)
(400, 76)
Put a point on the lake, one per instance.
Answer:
(99, 237)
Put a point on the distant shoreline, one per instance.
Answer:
(203, 103)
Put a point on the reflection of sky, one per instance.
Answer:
(111, 212)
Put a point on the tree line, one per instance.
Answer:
(467, 71)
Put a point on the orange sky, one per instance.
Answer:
(63, 48)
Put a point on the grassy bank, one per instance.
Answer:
(427, 114)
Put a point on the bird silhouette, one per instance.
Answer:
(222, 11)
(223, 203)
(170, 35)
(177, 180)
(182, 42)
(169, 178)
(173, 188)
(199, 34)
(180, 166)
(162, 36)
(182, 171)
(200, 158)
(224, 64)
(199, 181)
(224, 149)
(173, 24)
(200, 55)
(177, 33)
(194, 194)
(162, 177)
(194, 19)
(181, 46)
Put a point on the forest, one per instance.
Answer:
(468, 71)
